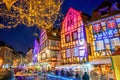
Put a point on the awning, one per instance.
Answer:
(101, 61)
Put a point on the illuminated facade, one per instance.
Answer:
(104, 31)
(103, 35)
(73, 38)
(5, 55)
(48, 54)
(29, 56)
(36, 50)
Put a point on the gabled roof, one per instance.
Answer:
(74, 11)
(70, 13)
(105, 3)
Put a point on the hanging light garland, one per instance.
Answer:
(42, 13)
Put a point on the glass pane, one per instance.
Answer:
(100, 45)
(74, 35)
(76, 51)
(82, 52)
(115, 42)
(67, 38)
(68, 53)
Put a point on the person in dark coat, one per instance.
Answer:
(62, 73)
(56, 72)
(85, 76)
(9, 74)
(77, 76)
(68, 74)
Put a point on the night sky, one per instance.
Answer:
(21, 38)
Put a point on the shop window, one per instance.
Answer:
(115, 42)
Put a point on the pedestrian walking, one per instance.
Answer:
(77, 76)
(85, 76)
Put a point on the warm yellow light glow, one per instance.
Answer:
(42, 13)
(1, 61)
(116, 64)
(9, 3)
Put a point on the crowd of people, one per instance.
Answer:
(81, 75)
(67, 73)
(72, 74)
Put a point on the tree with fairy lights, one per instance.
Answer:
(42, 13)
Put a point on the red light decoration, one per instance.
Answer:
(111, 24)
(97, 28)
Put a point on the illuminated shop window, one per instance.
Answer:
(67, 37)
(74, 35)
(68, 53)
(100, 45)
(115, 42)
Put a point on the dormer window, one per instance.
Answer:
(104, 11)
(114, 7)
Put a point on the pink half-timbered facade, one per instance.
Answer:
(73, 38)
